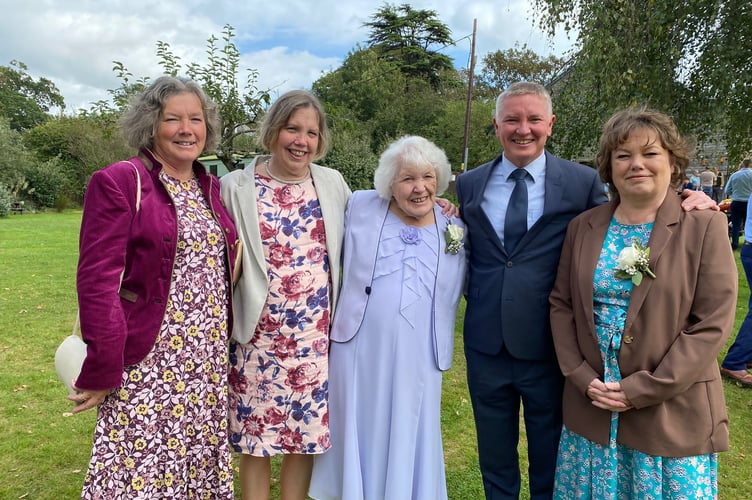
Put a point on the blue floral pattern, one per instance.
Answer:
(587, 470)
(278, 381)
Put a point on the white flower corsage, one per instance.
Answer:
(453, 235)
(632, 263)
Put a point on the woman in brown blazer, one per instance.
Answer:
(644, 301)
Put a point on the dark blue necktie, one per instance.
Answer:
(515, 223)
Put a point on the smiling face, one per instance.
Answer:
(181, 132)
(414, 194)
(296, 144)
(523, 124)
(641, 168)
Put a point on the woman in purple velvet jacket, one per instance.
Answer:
(154, 288)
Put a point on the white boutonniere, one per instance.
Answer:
(632, 263)
(453, 235)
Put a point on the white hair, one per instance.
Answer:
(411, 150)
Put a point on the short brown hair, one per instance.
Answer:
(623, 123)
(279, 114)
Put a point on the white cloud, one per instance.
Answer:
(290, 43)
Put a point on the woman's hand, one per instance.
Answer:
(448, 208)
(87, 399)
(608, 396)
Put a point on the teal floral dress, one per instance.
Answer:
(588, 470)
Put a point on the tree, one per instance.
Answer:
(722, 75)
(240, 110)
(504, 67)
(626, 54)
(80, 144)
(411, 39)
(447, 131)
(30, 182)
(350, 153)
(361, 87)
(25, 101)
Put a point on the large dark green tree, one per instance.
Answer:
(25, 101)
(411, 39)
(371, 94)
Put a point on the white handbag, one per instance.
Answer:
(70, 354)
(69, 358)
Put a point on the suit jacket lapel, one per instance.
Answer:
(588, 251)
(475, 203)
(552, 198)
(668, 215)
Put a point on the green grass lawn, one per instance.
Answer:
(44, 451)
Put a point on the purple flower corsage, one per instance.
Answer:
(410, 235)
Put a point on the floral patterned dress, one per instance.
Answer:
(587, 470)
(279, 379)
(163, 434)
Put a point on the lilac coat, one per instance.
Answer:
(120, 323)
(364, 220)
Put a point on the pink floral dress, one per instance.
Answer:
(163, 433)
(278, 380)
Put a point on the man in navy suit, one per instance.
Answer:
(508, 345)
(507, 335)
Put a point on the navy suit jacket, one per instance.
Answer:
(507, 295)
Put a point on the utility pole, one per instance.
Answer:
(469, 104)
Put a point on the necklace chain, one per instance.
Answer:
(284, 181)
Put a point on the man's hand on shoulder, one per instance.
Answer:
(697, 200)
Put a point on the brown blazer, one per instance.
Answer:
(676, 325)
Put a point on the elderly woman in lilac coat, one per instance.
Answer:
(392, 335)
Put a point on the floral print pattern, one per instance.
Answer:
(163, 433)
(587, 470)
(278, 381)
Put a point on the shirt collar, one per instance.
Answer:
(535, 168)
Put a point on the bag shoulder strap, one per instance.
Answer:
(77, 324)
(138, 185)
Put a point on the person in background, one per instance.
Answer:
(393, 334)
(644, 410)
(695, 179)
(687, 184)
(738, 360)
(290, 217)
(513, 255)
(717, 185)
(739, 188)
(154, 299)
(707, 179)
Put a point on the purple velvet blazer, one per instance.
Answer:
(120, 322)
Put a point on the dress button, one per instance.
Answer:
(510, 263)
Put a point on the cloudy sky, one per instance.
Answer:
(291, 43)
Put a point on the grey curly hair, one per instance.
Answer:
(139, 124)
